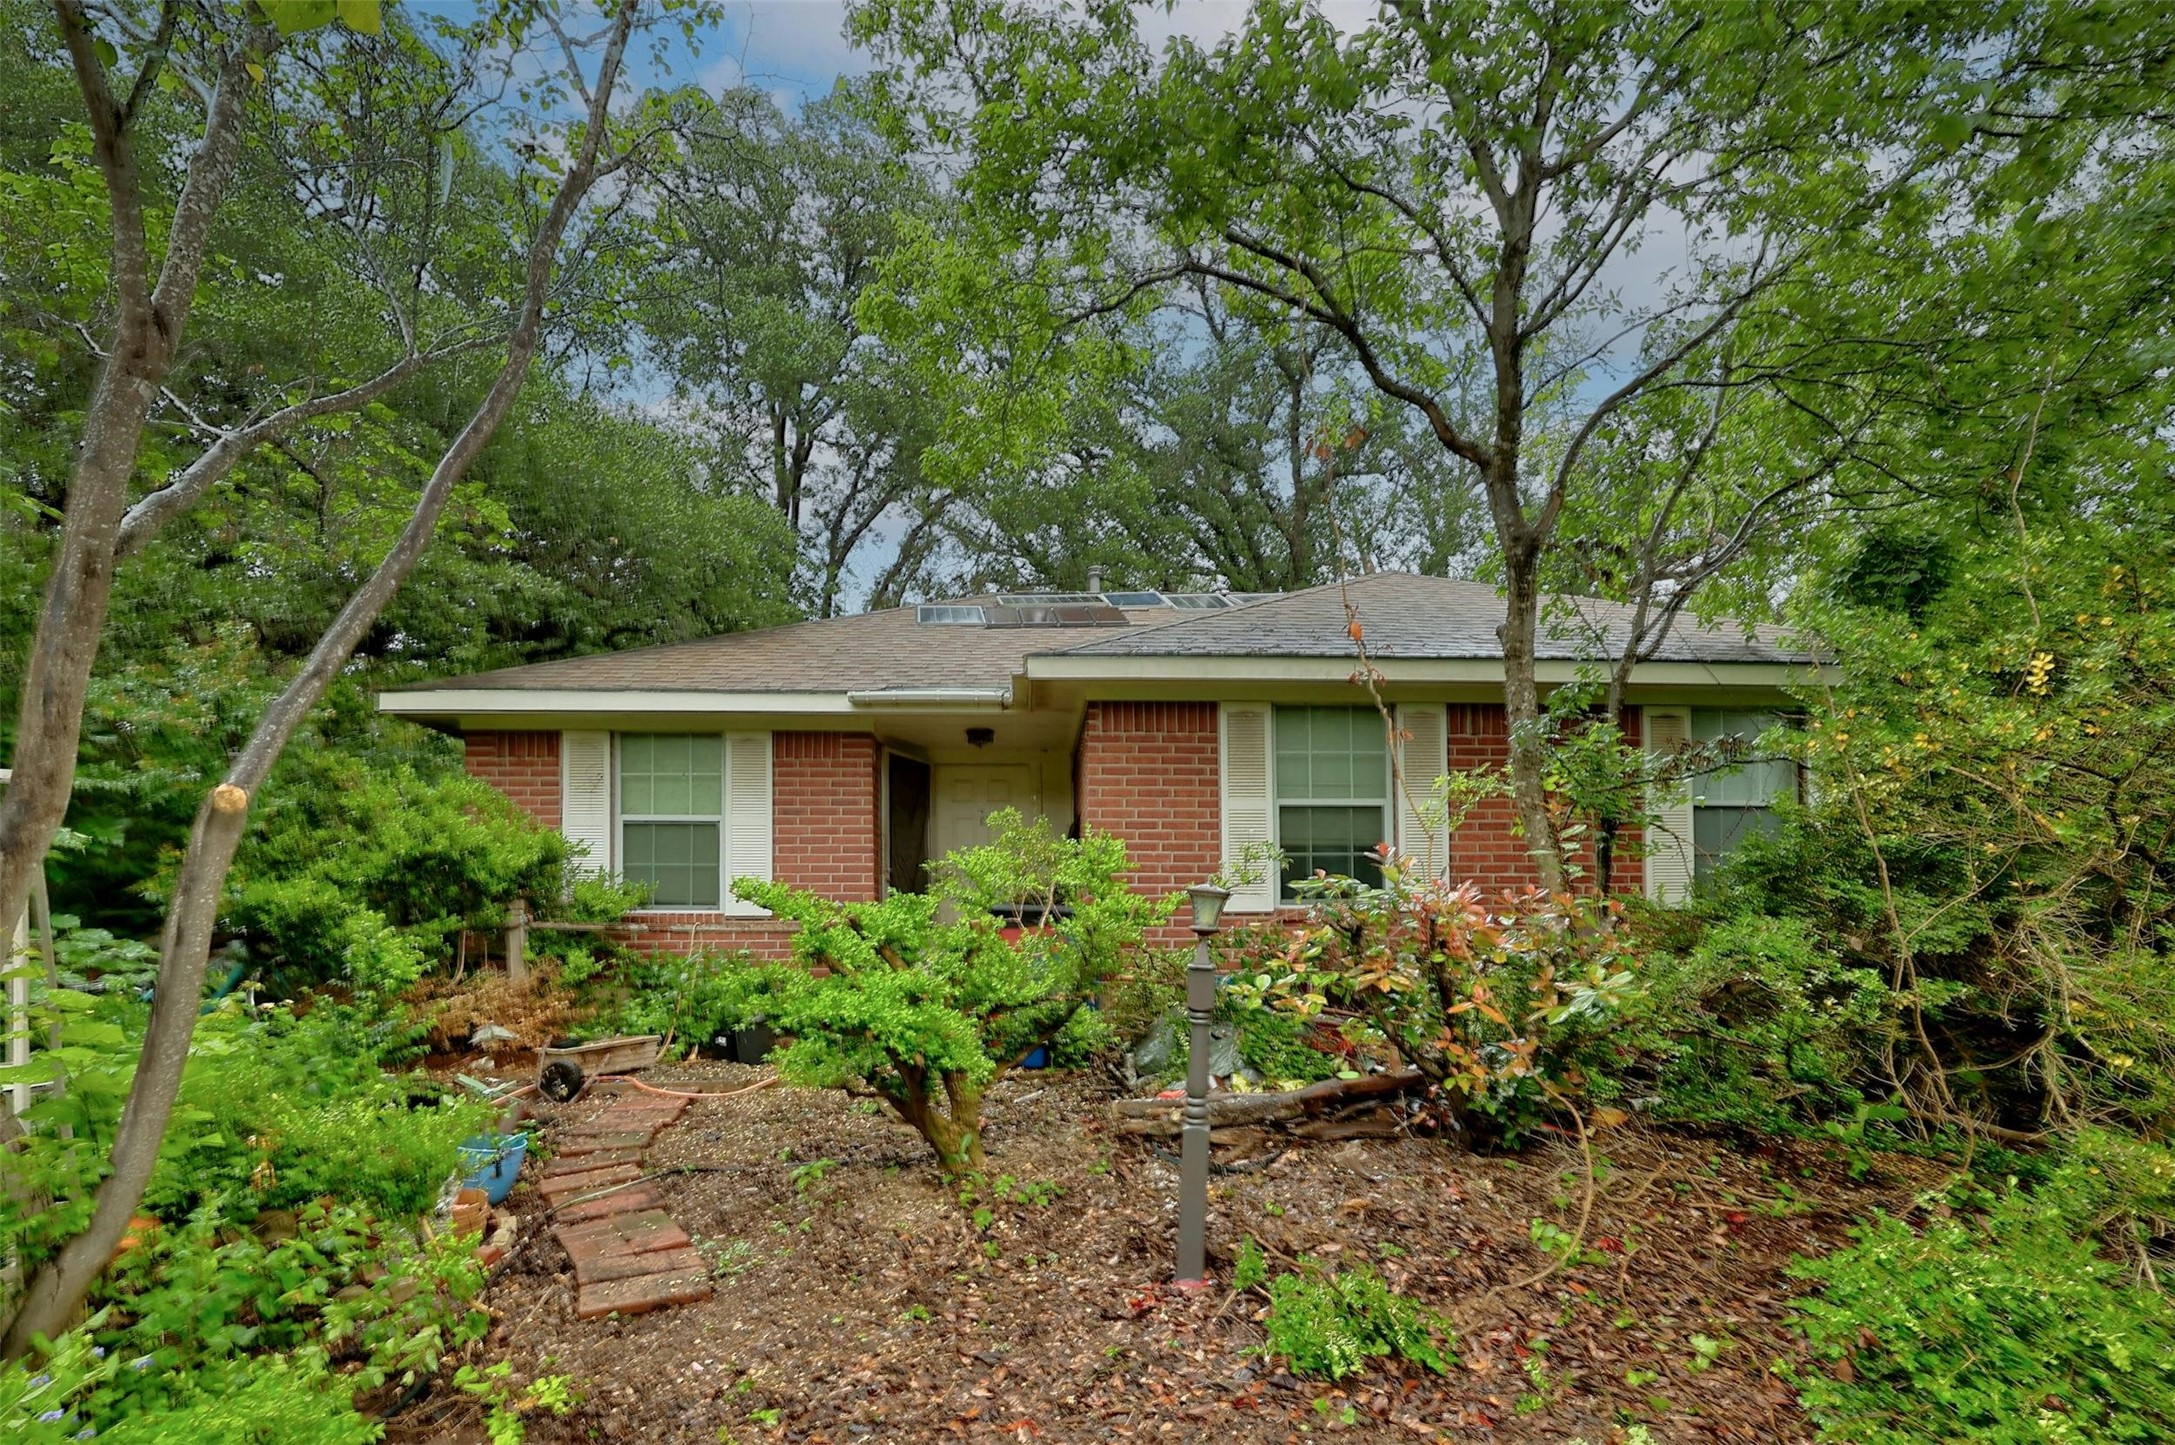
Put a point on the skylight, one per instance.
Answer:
(948, 615)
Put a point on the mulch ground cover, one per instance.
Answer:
(856, 1300)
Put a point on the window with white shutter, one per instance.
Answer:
(1669, 837)
(585, 797)
(1248, 805)
(1423, 756)
(685, 813)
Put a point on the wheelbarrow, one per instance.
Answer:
(562, 1071)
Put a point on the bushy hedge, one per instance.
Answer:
(2006, 1327)
(362, 874)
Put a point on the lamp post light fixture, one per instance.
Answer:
(1208, 901)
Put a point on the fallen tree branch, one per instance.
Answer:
(1165, 1118)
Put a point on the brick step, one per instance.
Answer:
(580, 1142)
(597, 1269)
(628, 1254)
(651, 1229)
(582, 1163)
(634, 1199)
(567, 1185)
(648, 1105)
(640, 1294)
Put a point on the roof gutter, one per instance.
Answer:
(974, 697)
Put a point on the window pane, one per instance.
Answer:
(1331, 754)
(1753, 784)
(671, 775)
(680, 859)
(637, 762)
(1719, 832)
(1333, 840)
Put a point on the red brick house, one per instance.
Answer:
(841, 755)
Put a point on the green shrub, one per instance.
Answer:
(690, 999)
(362, 873)
(922, 1001)
(1330, 1325)
(1492, 1002)
(2000, 1331)
(1758, 1025)
(277, 1110)
(212, 1333)
(1275, 1045)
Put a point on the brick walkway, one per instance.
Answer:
(628, 1254)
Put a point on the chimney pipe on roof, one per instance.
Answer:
(1095, 579)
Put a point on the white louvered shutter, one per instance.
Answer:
(1423, 756)
(585, 797)
(1248, 803)
(1669, 843)
(747, 815)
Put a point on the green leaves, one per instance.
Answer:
(921, 998)
(293, 17)
(2003, 1325)
(1332, 1324)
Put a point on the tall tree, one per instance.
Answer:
(1204, 463)
(237, 50)
(774, 225)
(1461, 188)
(232, 72)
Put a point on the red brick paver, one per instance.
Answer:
(644, 1292)
(628, 1254)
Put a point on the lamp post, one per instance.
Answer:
(1208, 901)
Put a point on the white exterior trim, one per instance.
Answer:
(1422, 759)
(1669, 840)
(588, 805)
(520, 701)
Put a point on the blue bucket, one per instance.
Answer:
(493, 1162)
(1037, 1057)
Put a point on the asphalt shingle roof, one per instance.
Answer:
(872, 650)
(1404, 616)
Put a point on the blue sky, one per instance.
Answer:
(795, 49)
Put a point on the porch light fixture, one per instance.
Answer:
(1208, 901)
(981, 737)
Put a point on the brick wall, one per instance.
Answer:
(1486, 850)
(827, 813)
(1149, 772)
(523, 766)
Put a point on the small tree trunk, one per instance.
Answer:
(1522, 709)
(150, 323)
(953, 1131)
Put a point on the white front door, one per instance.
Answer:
(967, 793)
